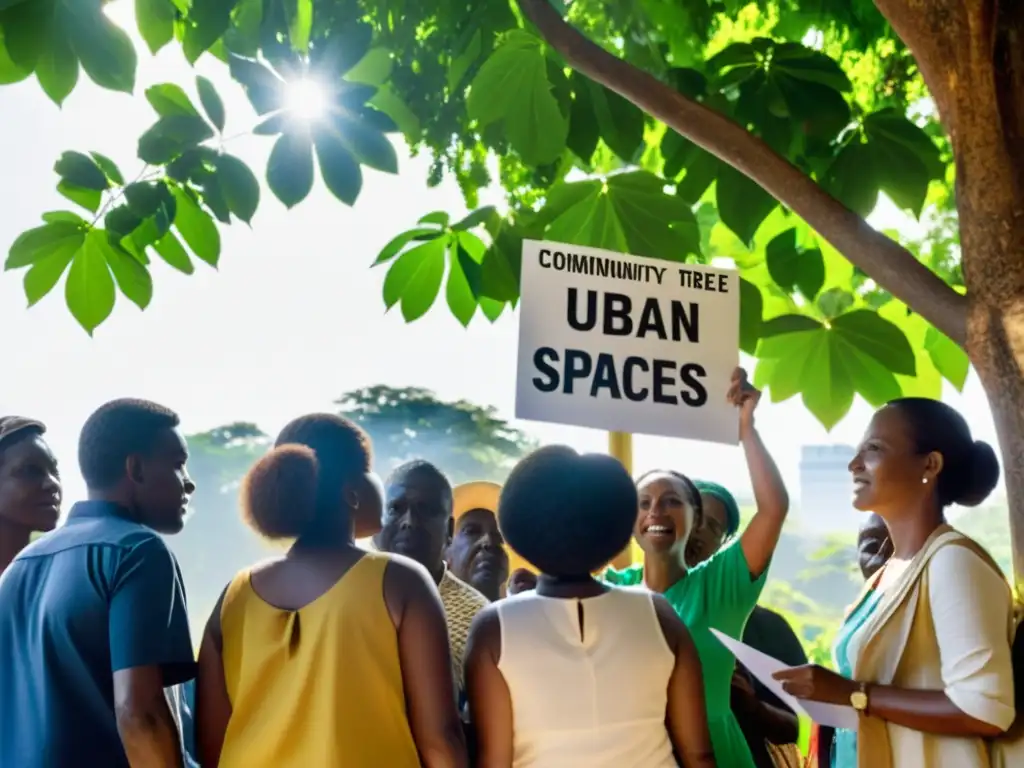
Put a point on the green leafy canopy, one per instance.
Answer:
(476, 88)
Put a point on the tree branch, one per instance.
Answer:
(888, 263)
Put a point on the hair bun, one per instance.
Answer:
(982, 475)
(278, 493)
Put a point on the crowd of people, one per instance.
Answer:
(483, 626)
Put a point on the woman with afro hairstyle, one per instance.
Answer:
(577, 672)
(328, 655)
(721, 592)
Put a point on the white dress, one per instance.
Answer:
(587, 693)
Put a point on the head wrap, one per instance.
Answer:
(16, 425)
(732, 509)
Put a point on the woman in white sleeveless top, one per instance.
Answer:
(579, 673)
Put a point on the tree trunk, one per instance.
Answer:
(971, 55)
(996, 343)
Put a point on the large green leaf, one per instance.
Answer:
(300, 23)
(584, 133)
(104, 50)
(373, 69)
(950, 359)
(26, 31)
(89, 290)
(803, 63)
(338, 166)
(212, 104)
(131, 276)
(207, 21)
(240, 186)
(173, 252)
(266, 91)
(171, 136)
(9, 71)
(877, 337)
(397, 243)
(855, 353)
(619, 122)
(40, 243)
(345, 48)
(370, 146)
(109, 168)
(155, 19)
(57, 66)
(290, 168)
(81, 171)
(742, 203)
(905, 159)
(629, 213)
(460, 63)
(795, 268)
(44, 275)
(197, 228)
(463, 283)
(87, 198)
(414, 279)
(168, 100)
(751, 315)
(852, 178)
(512, 87)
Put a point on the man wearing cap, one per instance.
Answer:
(477, 553)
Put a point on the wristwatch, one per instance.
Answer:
(859, 698)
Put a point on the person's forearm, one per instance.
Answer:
(777, 725)
(770, 495)
(150, 736)
(927, 711)
(702, 759)
(447, 749)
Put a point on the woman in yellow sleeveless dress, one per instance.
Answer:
(330, 655)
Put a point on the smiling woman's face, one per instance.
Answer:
(665, 515)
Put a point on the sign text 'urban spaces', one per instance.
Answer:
(626, 343)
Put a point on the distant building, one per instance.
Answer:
(826, 490)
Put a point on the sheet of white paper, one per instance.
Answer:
(763, 667)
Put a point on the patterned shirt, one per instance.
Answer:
(461, 605)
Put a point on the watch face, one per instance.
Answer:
(859, 700)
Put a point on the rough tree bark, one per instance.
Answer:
(971, 56)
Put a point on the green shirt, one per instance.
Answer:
(718, 593)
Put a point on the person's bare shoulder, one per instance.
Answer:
(485, 633)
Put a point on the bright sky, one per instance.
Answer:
(294, 316)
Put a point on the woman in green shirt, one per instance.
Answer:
(722, 591)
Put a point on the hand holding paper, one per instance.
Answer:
(764, 667)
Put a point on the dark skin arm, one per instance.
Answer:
(686, 717)
(415, 607)
(777, 725)
(490, 703)
(213, 706)
(144, 721)
(925, 711)
(761, 535)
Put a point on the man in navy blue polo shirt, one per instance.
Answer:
(92, 616)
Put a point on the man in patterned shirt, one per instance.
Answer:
(418, 523)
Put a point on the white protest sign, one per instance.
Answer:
(626, 343)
